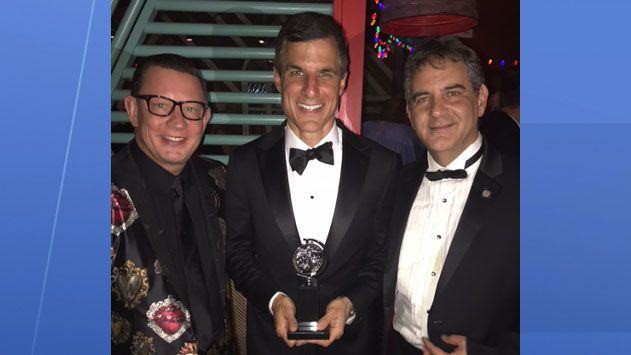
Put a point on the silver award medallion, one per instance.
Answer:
(309, 261)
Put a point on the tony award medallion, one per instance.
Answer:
(309, 261)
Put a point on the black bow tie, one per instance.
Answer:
(298, 158)
(446, 174)
(455, 174)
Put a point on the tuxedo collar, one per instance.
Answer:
(462, 161)
(485, 188)
(491, 164)
(292, 140)
(274, 176)
(352, 176)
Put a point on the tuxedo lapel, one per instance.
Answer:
(276, 184)
(409, 183)
(125, 172)
(352, 177)
(484, 190)
(408, 189)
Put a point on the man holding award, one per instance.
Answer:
(307, 209)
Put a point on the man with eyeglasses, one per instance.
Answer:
(168, 281)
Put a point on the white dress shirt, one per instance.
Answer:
(314, 193)
(428, 234)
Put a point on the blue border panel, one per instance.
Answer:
(575, 168)
(575, 224)
(54, 257)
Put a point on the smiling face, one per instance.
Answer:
(169, 141)
(444, 109)
(310, 84)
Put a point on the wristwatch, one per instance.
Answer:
(351, 315)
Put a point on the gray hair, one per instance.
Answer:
(436, 50)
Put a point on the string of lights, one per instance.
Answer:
(501, 62)
(384, 43)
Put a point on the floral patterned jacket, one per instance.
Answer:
(148, 314)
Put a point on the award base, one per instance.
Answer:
(308, 331)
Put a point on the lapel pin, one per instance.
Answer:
(486, 193)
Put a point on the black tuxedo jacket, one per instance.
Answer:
(501, 131)
(478, 291)
(262, 236)
(141, 240)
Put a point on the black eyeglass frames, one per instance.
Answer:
(164, 106)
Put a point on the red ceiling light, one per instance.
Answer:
(425, 18)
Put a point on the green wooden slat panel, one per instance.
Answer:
(113, 5)
(242, 119)
(225, 119)
(207, 52)
(224, 97)
(121, 138)
(246, 7)
(197, 29)
(238, 75)
(243, 7)
(224, 75)
(243, 97)
(125, 27)
(224, 139)
(210, 139)
(135, 37)
(117, 116)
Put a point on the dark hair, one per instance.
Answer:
(436, 50)
(307, 26)
(509, 89)
(166, 61)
